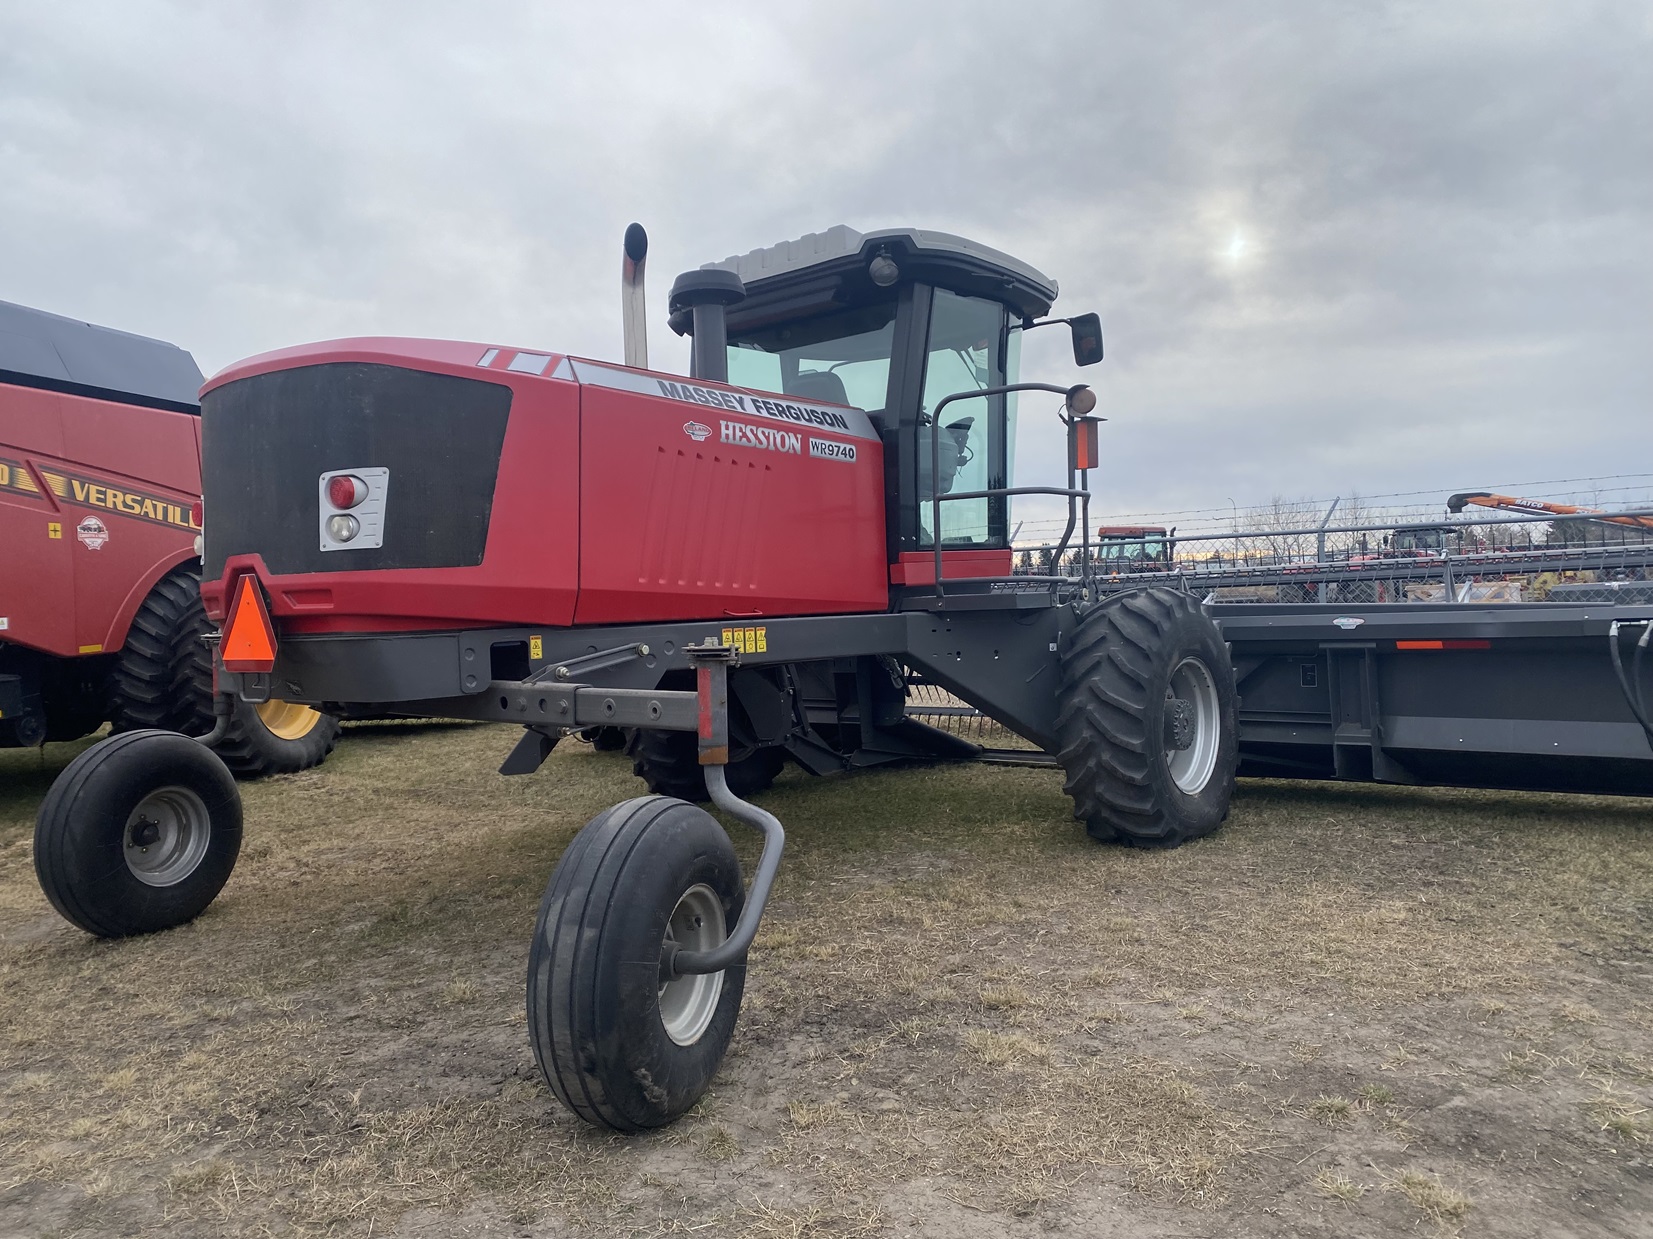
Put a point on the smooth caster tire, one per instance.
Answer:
(139, 833)
(619, 1048)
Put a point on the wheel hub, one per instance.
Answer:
(687, 1003)
(166, 836)
(1179, 723)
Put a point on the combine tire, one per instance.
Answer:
(139, 833)
(618, 1047)
(142, 692)
(1146, 719)
(669, 762)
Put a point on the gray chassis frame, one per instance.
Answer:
(1325, 691)
(1002, 658)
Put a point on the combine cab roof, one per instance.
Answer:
(49, 351)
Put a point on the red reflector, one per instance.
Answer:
(1087, 447)
(249, 638)
(197, 513)
(1465, 643)
(345, 490)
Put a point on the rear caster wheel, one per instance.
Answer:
(139, 833)
(619, 1046)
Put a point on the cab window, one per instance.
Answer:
(838, 358)
(971, 346)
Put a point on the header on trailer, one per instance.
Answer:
(54, 353)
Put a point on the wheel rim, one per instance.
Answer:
(166, 836)
(1191, 768)
(688, 1003)
(287, 719)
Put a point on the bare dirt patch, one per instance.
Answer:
(1355, 1011)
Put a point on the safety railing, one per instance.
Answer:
(1485, 560)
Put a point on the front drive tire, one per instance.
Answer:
(669, 763)
(1147, 720)
(139, 833)
(618, 1048)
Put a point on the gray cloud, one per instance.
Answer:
(1372, 248)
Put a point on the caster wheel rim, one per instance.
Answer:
(687, 1004)
(1191, 768)
(166, 836)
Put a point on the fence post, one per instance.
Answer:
(1320, 542)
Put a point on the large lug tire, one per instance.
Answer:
(617, 1047)
(143, 686)
(163, 679)
(277, 737)
(139, 833)
(669, 762)
(274, 737)
(1147, 720)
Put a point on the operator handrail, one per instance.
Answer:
(936, 497)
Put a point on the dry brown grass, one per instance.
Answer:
(958, 1008)
(1438, 1202)
(1337, 1185)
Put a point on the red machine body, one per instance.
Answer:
(95, 507)
(618, 495)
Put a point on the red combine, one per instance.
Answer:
(100, 486)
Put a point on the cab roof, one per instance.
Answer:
(821, 269)
(49, 351)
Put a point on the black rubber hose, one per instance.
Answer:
(1631, 689)
(1636, 667)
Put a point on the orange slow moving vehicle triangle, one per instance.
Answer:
(249, 638)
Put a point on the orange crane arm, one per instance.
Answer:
(1486, 499)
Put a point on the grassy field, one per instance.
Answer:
(1354, 1011)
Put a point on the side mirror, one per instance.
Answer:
(1087, 339)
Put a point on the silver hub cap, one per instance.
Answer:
(687, 1004)
(1191, 768)
(166, 836)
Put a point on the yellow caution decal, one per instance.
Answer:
(747, 640)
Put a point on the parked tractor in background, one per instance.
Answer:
(100, 486)
(1125, 549)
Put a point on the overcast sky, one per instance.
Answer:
(1336, 247)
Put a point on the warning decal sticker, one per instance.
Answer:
(747, 640)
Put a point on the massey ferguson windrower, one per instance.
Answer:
(740, 567)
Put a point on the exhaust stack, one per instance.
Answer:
(633, 311)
